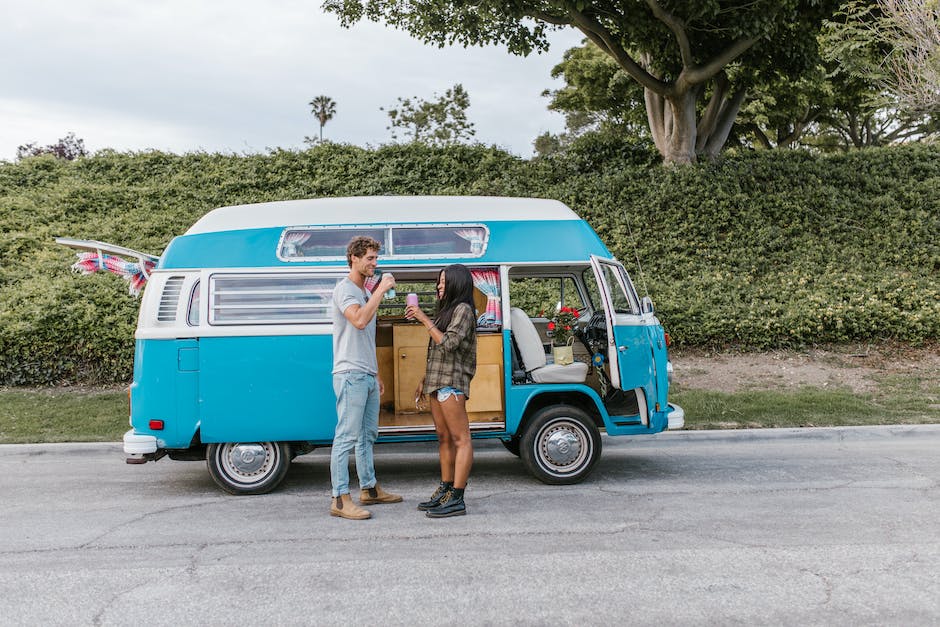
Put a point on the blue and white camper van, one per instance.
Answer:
(234, 349)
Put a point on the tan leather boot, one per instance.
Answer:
(376, 495)
(344, 507)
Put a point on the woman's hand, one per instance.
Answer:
(420, 396)
(413, 312)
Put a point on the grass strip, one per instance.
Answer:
(62, 415)
(805, 407)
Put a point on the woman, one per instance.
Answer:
(452, 361)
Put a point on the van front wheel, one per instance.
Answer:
(248, 467)
(560, 445)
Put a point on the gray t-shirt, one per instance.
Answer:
(353, 349)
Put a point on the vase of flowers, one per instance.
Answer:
(560, 328)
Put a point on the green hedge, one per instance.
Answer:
(759, 250)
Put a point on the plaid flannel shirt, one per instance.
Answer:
(453, 362)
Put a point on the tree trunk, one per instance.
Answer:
(681, 141)
(656, 115)
(727, 114)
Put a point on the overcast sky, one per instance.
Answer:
(237, 76)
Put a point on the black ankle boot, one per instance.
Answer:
(451, 505)
(435, 499)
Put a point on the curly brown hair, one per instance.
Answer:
(359, 246)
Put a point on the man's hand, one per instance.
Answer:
(387, 283)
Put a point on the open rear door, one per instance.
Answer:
(112, 258)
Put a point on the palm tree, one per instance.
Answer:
(324, 108)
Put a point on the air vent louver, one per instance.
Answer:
(170, 299)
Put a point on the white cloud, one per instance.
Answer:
(181, 75)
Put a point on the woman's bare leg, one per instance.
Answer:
(454, 414)
(445, 443)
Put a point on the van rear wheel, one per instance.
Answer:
(560, 445)
(248, 467)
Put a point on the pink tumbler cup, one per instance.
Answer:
(411, 299)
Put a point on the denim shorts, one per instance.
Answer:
(444, 393)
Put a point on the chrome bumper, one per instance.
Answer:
(139, 448)
(676, 417)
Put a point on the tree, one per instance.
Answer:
(873, 101)
(323, 108)
(598, 94)
(435, 122)
(679, 51)
(780, 111)
(830, 107)
(68, 148)
(914, 27)
(895, 43)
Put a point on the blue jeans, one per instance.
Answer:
(357, 410)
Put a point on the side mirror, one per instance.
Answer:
(646, 305)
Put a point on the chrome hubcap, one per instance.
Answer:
(562, 447)
(248, 459)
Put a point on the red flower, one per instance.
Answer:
(561, 325)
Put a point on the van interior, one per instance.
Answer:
(535, 293)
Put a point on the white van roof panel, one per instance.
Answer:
(379, 209)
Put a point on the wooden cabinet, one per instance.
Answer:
(410, 349)
(486, 388)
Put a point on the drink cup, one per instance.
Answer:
(378, 277)
(411, 299)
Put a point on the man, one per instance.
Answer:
(356, 381)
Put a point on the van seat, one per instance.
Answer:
(533, 354)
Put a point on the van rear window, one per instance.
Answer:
(411, 241)
(270, 298)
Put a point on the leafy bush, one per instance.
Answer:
(758, 250)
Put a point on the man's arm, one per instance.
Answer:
(359, 316)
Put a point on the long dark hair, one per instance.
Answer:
(458, 288)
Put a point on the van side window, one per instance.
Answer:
(192, 311)
(270, 298)
(540, 296)
(425, 241)
(620, 290)
(597, 303)
(325, 243)
(438, 240)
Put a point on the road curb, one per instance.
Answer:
(59, 448)
(804, 433)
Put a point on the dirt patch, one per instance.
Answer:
(854, 368)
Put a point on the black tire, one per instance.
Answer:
(512, 445)
(560, 445)
(248, 467)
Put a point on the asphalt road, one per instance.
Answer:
(782, 527)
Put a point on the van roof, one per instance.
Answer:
(521, 230)
(378, 209)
